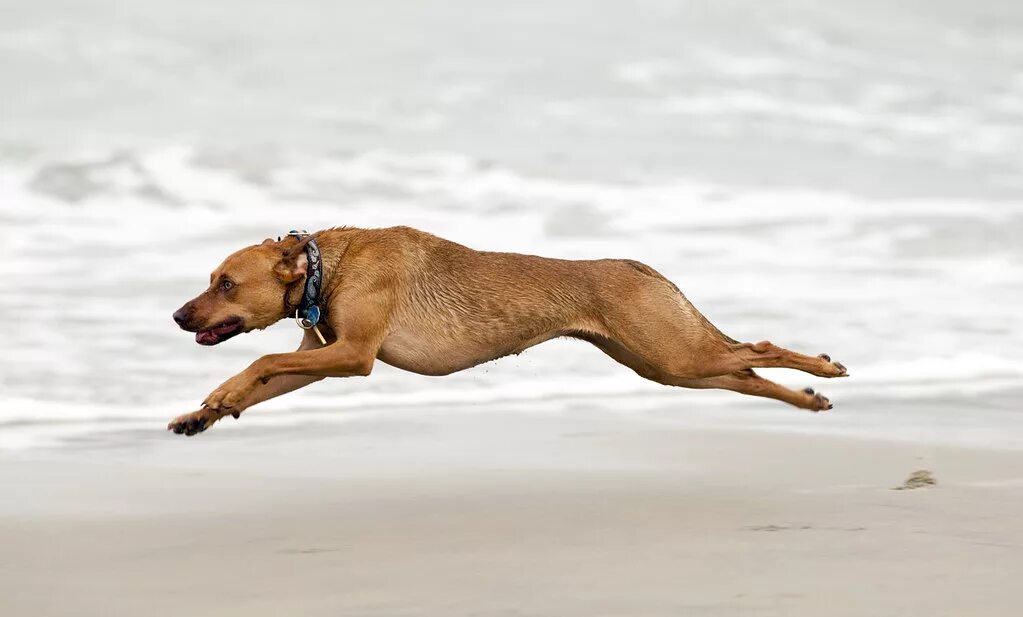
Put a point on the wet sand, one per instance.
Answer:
(507, 514)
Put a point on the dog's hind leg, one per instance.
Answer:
(744, 381)
(651, 319)
(648, 325)
(748, 382)
(767, 355)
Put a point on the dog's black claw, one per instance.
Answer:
(825, 357)
(809, 391)
(821, 402)
(235, 414)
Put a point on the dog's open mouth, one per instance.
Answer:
(220, 332)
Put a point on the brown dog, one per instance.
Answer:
(430, 306)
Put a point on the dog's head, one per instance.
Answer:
(247, 292)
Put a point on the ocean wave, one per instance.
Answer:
(907, 293)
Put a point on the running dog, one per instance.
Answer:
(433, 307)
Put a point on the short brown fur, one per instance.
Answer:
(431, 306)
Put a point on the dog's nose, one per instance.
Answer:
(181, 317)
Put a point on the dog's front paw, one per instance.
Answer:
(231, 393)
(193, 423)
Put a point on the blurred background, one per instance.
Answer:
(833, 176)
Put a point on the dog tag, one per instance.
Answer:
(312, 316)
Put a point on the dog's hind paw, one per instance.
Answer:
(831, 369)
(817, 401)
(193, 423)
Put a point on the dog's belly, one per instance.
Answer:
(442, 354)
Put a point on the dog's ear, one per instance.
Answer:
(293, 262)
(289, 269)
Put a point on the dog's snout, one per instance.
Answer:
(182, 315)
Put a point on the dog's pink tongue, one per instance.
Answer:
(206, 337)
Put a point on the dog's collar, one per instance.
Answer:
(308, 313)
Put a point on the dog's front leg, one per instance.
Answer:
(356, 337)
(199, 421)
(340, 359)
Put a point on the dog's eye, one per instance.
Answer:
(226, 285)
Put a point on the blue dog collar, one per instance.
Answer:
(309, 309)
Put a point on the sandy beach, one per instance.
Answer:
(507, 514)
